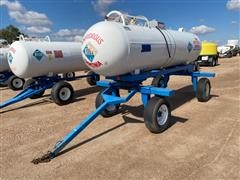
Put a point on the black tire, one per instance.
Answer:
(229, 55)
(109, 111)
(158, 81)
(154, 118)
(92, 78)
(234, 53)
(216, 60)
(62, 93)
(31, 82)
(196, 66)
(203, 90)
(69, 76)
(213, 63)
(15, 83)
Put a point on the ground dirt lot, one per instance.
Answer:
(202, 143)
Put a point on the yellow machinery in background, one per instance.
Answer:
(208, 54)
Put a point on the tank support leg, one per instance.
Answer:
(194, 83)
(145, 98)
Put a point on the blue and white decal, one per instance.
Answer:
(90, 52)
(38, 54)
(10, 58)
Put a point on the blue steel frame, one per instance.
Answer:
(133, 83)
(42, 83)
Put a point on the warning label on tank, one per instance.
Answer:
(38, 54)
(58, 53)
(96, 64)
(10, 58)
(49, 55)
(12, 50)
(196, 44)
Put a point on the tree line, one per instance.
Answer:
(10, 33)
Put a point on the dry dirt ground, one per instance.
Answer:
(203, 141)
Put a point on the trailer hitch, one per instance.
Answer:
(44, 159)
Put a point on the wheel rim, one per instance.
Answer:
(70, 75)
(162, 114)
(111, 108)
(65, 94)
(17, 83)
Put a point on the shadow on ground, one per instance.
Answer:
(35, 103)
(46, 99)
(181, 96)
(127, 120)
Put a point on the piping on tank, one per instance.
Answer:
(32, 59)
(45, 39)
(123, 44)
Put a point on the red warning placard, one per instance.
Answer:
(58, 53)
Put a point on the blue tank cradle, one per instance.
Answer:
(133, 83)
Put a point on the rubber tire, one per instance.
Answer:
(158, 81)
(30, 82)
(92, 80)
(213, 63)
(106, 113)
(229, 55)
(10, 83)
(201, 94)
(196, 67)
(55, 93)
(216, 61)
(150, 115)
(65, 76)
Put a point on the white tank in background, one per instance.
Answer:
(3, 59)
(31, 59)
(122, 44)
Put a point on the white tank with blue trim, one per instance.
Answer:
(123, 44)
(32, 59)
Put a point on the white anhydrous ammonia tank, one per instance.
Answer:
(32, 59)
(3, 59)
(116, 47)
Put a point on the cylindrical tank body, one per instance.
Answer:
(208, 48)
(111, 48)
(3, 59)
(32, 59)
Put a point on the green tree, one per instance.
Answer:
(10, 33)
